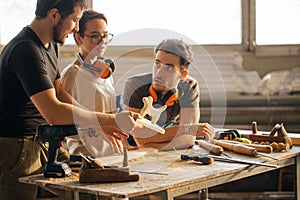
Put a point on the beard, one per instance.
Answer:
(56, 33)
(158, 87)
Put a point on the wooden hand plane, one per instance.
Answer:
(92, 171)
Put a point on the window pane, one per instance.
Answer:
(278, 22)
(203, 21)
(16, 14)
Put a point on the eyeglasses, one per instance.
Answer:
(96, 38)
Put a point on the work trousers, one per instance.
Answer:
(22, 157)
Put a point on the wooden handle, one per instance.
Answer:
(238, 148)
(215, 149)
(254, 127)
(258, 147)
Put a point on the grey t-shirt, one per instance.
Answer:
(137, 87)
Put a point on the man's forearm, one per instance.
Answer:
(144, 137)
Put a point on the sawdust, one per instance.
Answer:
(73, 178)
(177, 163)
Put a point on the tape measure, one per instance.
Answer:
(227, 135)
(243, 140)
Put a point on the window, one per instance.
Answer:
(202, 21)
(210, 22)
(14, 15)
(277, 22)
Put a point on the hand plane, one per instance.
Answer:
(92, 171)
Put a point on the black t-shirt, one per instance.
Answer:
(26, 68)
(137, 87)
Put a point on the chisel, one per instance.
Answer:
(242, 149)
(215, 149)
(237, 148)
(203, 158)
(217, 158)
(258, 147)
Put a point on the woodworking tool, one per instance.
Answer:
(219, 158)
(254, 127)
(266, 155)
(243, 140)
(125, 158)
(258, 147)
(93, 162)
(148, 172)
(227, 134)
(55, 134)
(215, 149)
(237, 148)
(203, 158)
(93, 171)
(242, 149)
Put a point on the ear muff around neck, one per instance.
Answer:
(184, 73)
(102, 67)
(169, 98)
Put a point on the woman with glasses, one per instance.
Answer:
(84, 80)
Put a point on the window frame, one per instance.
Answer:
(249, 36)
(248, 43)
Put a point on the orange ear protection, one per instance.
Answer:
(184, 73)
(170, 97)
(97, 66)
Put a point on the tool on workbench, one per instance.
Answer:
(254, 127)
(240, 148)
(224, 159)
(227, 134)
(205, 158)
(261, 149)
(198, 157)
(258, 147)
(55, 134)
(93, 171)
(281, 137)
(125, 158)
(243, 140)
(215, 149)
(150, 172)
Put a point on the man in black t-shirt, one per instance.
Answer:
(31, 94)
(168, 84)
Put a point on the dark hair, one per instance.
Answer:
(87, 16)
(64, 7)
(179, 48)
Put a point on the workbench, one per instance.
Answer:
(177, 177)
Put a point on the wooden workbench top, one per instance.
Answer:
(178, 173)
